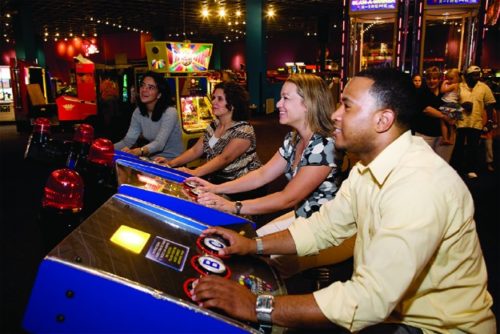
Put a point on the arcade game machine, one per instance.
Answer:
(115, 99)
(6, 95)
(453, 30)
(185, 65)
(31, 93)
(373, 36)
(130, 268)
(70, 108)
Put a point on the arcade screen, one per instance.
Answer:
(370, 5)
(136, 178)
(188, 57)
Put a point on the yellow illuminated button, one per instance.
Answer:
(130, 238)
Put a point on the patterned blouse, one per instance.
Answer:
(245, 163)
(320, 151)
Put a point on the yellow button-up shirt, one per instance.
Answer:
(480, 96)
(417, 258)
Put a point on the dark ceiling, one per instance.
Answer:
(165, 18)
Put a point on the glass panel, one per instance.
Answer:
(372, 44)
(446, 48)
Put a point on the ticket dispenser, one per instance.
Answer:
(129, 266)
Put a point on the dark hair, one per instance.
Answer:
(393, 90)
(164, 101)
(237, 99)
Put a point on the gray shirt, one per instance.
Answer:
(164, 136)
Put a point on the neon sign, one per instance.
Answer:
(362, 5)
(451, 2)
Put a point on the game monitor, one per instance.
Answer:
(178, 57)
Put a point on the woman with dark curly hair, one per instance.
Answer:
(154, 128)
(228, 142)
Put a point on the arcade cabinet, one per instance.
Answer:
(454, 29)
(31, 93)
(70, 108)
(6, 95)
(130, 267)
(375, 39)
(185, 65)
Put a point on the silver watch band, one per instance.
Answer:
(264, 307)
(260, 246)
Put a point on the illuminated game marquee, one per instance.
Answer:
(178, 57)
(368, 5)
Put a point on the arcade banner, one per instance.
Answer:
(178, 57)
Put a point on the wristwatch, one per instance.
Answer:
(264, 307)
(260, 246)
(238, 206)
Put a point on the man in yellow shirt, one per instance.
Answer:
(477, 100)
(418, 265)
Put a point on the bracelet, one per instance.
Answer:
(260, 246)
(238, 206)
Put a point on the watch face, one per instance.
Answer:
(264, 308)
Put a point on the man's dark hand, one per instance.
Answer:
(225, 295)
(238, 244)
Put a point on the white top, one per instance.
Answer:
(212, 141)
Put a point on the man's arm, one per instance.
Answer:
(276, 243)
(239, 302)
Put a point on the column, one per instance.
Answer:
(256, 53)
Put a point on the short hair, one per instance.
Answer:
(393, 89)
(164, 101)
(237, 99)
(318, 100)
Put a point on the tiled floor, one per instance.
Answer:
(20, 238)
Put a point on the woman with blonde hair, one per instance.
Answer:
(307, 157)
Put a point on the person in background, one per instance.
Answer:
(427, 122)
(154, 128)
(229, 141)
(307, 158)
(451, 107)
(418, 265)
(477, 100)
(417, 80)
(491, 125)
